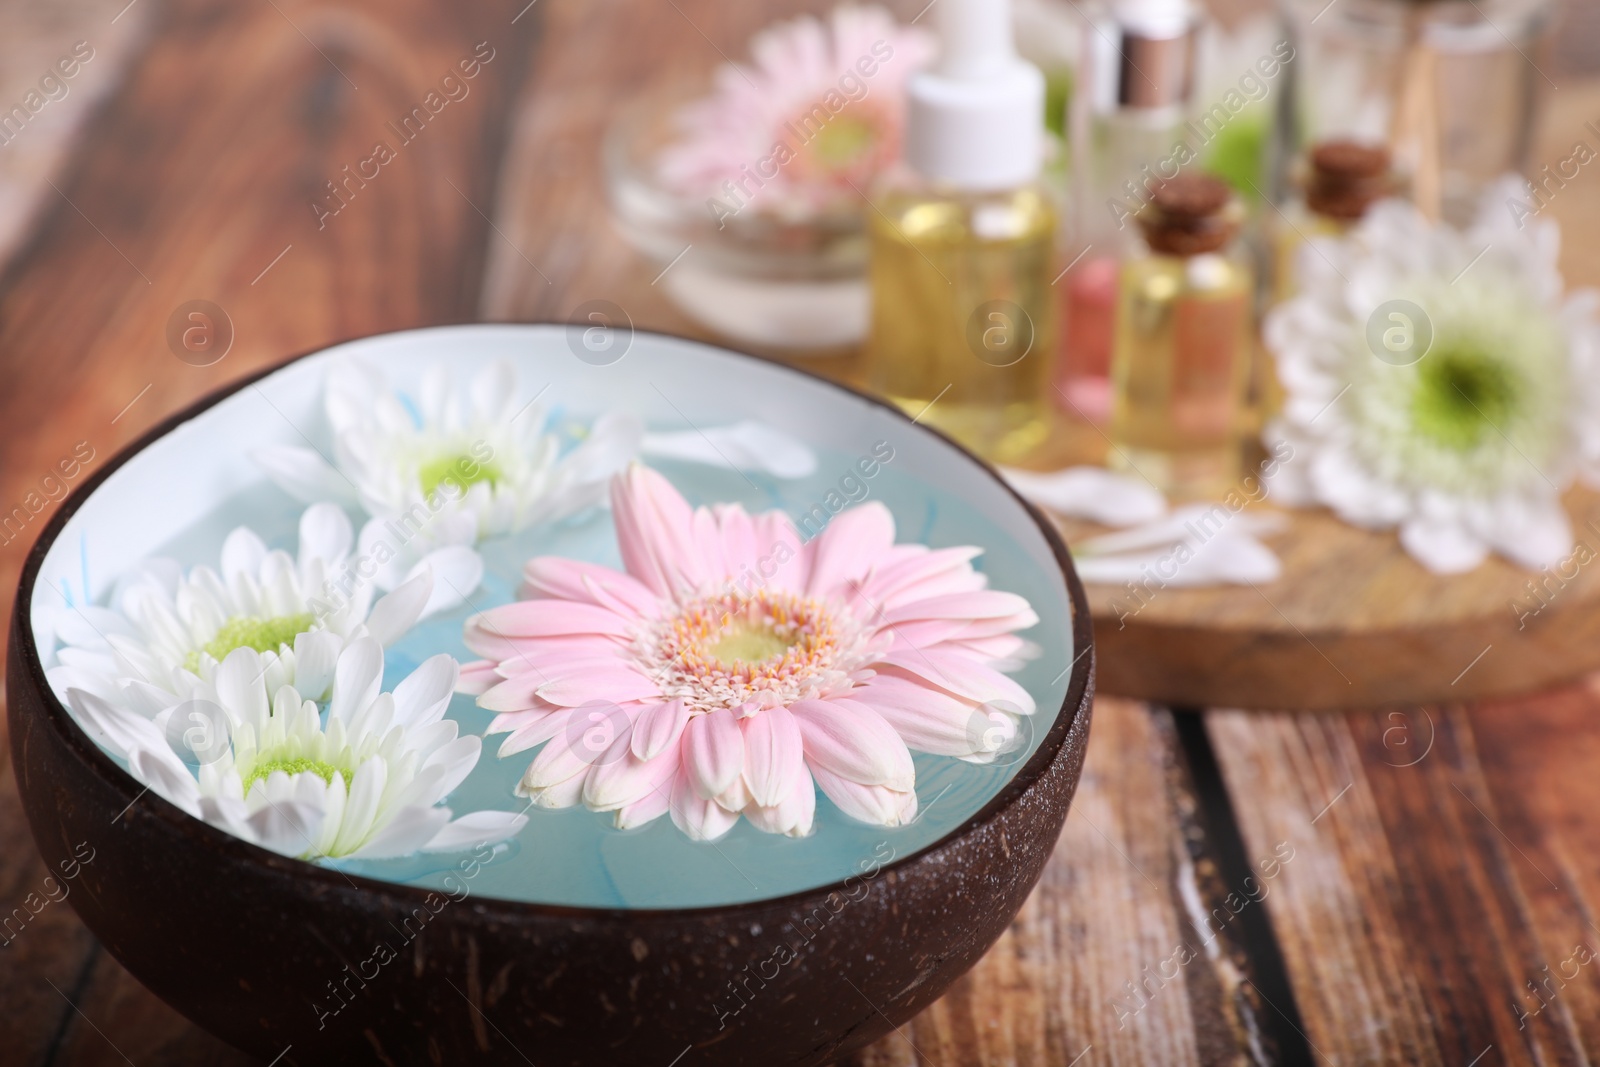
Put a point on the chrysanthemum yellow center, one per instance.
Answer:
(247, 631)
(456, 470)
(1461, 395)
(293, 765)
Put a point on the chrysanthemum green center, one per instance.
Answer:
(293, 765)
(748, 642)
(247, 631)
(457, 470)
(1461, 395)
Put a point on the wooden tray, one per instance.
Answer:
(1355, 622)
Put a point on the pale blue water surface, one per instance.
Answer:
(576, 857)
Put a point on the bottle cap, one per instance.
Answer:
(1145, 55)
(1190, 215)
(975, 119)
(1347, 177)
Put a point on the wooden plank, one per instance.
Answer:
(1429, 883)
(192, 183)
(1092, 966)
(204, 170)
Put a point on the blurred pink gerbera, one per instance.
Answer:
(820, 108)
(732, 669)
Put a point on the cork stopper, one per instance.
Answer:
(1190, 215)
(1347, 177)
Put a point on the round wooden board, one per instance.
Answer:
(1354, 622)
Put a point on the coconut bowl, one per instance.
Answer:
(300, 963)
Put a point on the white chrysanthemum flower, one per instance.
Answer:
(441, 469)
(366, 784)
(168, 630)
(1468, 449)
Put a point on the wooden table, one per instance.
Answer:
(1416, 886)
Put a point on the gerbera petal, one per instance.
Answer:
(867, 803)
(794, 814)
(477, 677)
(658, 728)
(556, 578)
(548, 618)
(927, 719)
(653, 531)
(774, 755)
(713, 751)
(848, 546)
(620, 778)
(699, 817)
(962, 675)
(849, 739)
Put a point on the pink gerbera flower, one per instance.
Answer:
(816, 115)
(734, 670)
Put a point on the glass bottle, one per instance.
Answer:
(962, 244)
(1137, 69)
(1181, 359)
(1446, 84)
(1341, 179)
(962, 311)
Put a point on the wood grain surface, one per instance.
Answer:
(1436, 861)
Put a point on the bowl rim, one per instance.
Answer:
(226, 846)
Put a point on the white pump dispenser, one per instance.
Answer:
(975, 119)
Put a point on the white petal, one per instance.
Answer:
(411, 829)
(303, 474)
(240, 688)
(398, 611)
(325, 534)
(1092, 493)
(477, 828)
(315, 654)
(356, 678)
(747, 445)
(456, 572)
(1441, 545)
(286, 827)
(242, 554)
(422, 695)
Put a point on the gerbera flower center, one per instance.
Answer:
(728, 649)
(462, 470)
(248, 631)
(743, 642)
(1461, 395)
(844, 141)
(292, 765)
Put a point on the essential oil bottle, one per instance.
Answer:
(963, 244)
(1340, 180)
(1183, 344)
(1137, 73)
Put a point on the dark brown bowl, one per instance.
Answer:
(281, 958)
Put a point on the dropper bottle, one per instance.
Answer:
(962, 244)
